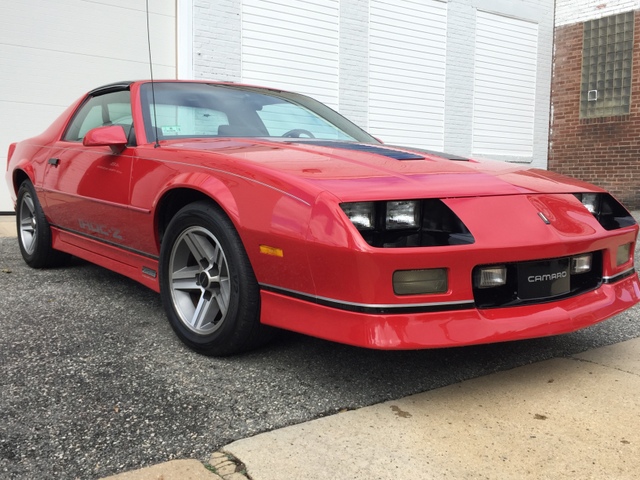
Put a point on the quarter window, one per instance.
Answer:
(100, 111)
(606, 66)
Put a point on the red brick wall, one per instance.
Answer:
(602, 151)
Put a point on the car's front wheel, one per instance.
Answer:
(34, 232)
(208, 287)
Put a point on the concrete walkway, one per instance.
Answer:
(566, 418)
(7, 226)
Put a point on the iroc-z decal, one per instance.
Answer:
(103, 230)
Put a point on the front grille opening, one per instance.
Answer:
(515, 293)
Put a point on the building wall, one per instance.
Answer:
(369, 48)
(603, 151)
(53, 52)
(576, 11)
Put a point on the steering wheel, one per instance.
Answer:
(296, 132)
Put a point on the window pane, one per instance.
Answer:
(607, 49)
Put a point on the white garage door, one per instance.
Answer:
(407, 63)
(53, 52)
(504, 93)
(293, 46)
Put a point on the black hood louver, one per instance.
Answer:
(363, 147)
(400, 154)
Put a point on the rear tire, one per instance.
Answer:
(34, 231)
(208, 287)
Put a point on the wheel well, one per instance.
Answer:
(18, 177)
(173, 201)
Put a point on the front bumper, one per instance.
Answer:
(449, 328)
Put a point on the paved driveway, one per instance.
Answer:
(93, 381)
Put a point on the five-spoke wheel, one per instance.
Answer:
(199, 280)
(34, 232)
(208, 287)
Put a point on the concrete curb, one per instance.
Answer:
(221, 466)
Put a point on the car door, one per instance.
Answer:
(86, 188)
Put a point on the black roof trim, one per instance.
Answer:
(111, 87)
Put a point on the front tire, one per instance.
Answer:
(34, 232)
(208, 288)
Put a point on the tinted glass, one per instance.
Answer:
(103, 110)
(187, 110)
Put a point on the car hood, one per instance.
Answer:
(354, 171)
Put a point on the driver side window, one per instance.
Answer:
(99, 111)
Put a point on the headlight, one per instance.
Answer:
(608, 211)
(403, 214)
(590, 201)
(361, 214)
(407, 223)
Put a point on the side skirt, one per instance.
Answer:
(130, 264)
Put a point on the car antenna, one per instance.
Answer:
(153, 91)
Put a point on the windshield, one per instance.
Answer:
(196, 110)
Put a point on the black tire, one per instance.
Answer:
(208, 288)
(34, 232)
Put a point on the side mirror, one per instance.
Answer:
(112, 136)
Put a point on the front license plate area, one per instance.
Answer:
(544, 279)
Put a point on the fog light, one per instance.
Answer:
(402, 214)
(581, 264)
(492, 277)
(623, 254)
(415, 282)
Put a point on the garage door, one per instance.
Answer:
(53, 52)
(407, 63)
(293, 46)
(504, 93)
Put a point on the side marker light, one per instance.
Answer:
(273, 251)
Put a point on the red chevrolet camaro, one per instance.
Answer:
(249, 207)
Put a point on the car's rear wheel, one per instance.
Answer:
(208, 287)
(34, 232)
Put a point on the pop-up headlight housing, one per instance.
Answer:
(608, 211)
(407, 223)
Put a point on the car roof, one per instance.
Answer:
(112, 87)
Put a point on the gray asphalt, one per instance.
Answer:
(94, 382)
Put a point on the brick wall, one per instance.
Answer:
(603, 151)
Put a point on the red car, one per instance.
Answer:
(249, 207)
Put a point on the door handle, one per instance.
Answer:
(54, 161)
